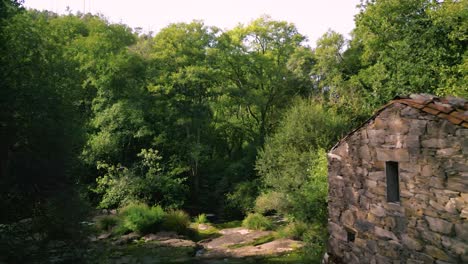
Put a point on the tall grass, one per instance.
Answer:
(141, 218)
(257, 221)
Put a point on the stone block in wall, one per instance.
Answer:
(337, 231)
(446, 152)
(363, 226)
(384, 234)
(400, 155)
(351, 196)
(436, 253)
(348, 217)
(409, 167)
(412, 142)
(364, 152)
(410, 112)
(422, 257)
(464, 213)
(382, 259)
(436, 205)
(435, 143)
(457, 184)
(377, 210)
(451, 207)
(417, 127)
(379, 124)
(411, 243)
(426, 171)
(376, 175)
(456, 246)
(335, 247)
(398, 125)
(371, 184)
(376, 137)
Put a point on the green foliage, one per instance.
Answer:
(257, 221)
(177, 221)
(294, 230)
(201, 219)
(106, 223)
(293, 164)
(412, 46)
(146, 181)
(141, 218)
(243, 196)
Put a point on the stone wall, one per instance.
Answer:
(429, 224)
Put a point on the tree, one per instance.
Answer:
(412, 46)
(182, 83)
(255, 62)
(292, 163)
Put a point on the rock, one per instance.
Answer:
(347, 218)
(104, 236)
(439, 225)
(377, 210)
(411, 243)
(160, 236)
(400, 155)
(125, 239)
(176, 242)
(461, 230)
(364, 226)
(337, 231)
(436, 253)
(275, 247)
(451, 206)
(384, 234)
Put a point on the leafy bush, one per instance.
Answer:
(271, 201)
(107, 222)
(177, 221)
(294, 230)
(141, 218)
(146, 180)
(292, 164)
(257, 221)
(243, 196)
(201, 219)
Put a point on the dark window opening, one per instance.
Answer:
(351, 235)
(393, 186)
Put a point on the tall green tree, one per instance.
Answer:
(413, 46)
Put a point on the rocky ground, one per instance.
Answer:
(231, 245)
(18, 244)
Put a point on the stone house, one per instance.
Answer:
(398, 185)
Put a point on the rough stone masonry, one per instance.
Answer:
(422, 142)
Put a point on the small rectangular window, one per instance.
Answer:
(351, 235)
(393, 186)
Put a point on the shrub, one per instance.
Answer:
(177, 221)
(257, 221)
(107, 222)
(201, 219)
(294, 230)
(141, 218)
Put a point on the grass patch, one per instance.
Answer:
(257, 221)
(107, 222)
(198, 234)
(255, 242)
(294, 230)
(177, 221)
(201, 219)
(141, 218)
(231, 224)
